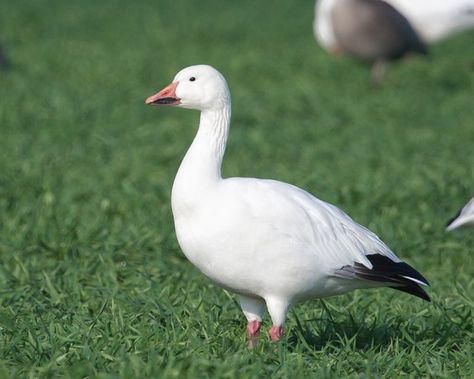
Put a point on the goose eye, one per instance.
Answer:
(192, 79)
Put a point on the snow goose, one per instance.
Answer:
(464, 218)
(271, 243)
(435, 20)
(369, 30)
(377, 31)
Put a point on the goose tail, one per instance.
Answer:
(397, 275)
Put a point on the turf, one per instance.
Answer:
(92, 281)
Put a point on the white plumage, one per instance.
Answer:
(322, 24)
(464, 219)
(435, 20)
(270, 242)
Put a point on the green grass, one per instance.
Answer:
(92, 281)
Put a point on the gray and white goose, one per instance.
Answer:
(369, 30)
(379, 31)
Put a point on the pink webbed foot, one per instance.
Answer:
(253, 332)
(253, 328)
(276, 332)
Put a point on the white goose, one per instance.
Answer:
(377, 31)
(369, 30)
(270, 242)
(435, 20)
(464, 218)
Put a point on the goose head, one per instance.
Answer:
(199, 87)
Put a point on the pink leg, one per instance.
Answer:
(253, 332)
(276, 332)
(253, 328)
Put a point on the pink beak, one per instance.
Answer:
(167, 96)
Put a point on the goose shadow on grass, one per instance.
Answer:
(321, 333)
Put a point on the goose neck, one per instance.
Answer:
(213, 131)
(203, 160)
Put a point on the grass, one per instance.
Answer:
(92, 281)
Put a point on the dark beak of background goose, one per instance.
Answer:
(167, 96)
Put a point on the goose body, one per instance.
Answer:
(435, 20)
(263, 236)
(431, 20)
(464, 218)
(270, 242)
(370, 30)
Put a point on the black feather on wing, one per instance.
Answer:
(397, 275)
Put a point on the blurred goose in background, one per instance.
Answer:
(370, 30)
(379, 31)
(464, 218)
(435, 20)
(270, 242)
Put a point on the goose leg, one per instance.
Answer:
(253, 309)
(278, 309)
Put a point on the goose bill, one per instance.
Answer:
(167, 96)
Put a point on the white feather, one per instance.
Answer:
(465, 219)
(435, 20)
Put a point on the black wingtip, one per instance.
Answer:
(384, 264)
(414, 290)
(397, 275)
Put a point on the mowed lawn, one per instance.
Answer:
(92, 281)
